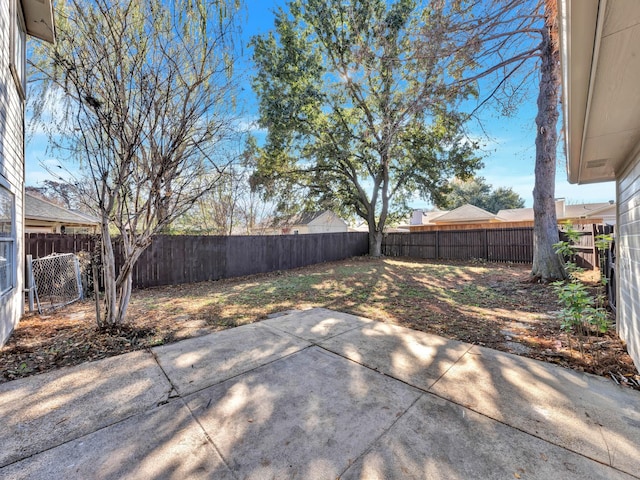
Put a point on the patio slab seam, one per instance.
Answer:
(74, 439)
(208, 437)
(173, 393)
(471, 345)
(428, 391)
(535, 436)
(374, 441)
(310, 340)
(218, 382)
(609, 465)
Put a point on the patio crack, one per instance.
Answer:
(173, 392)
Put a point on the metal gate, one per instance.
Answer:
(56, 281)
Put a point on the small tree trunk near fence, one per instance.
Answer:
(109, 272)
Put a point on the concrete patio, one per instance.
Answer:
(322, 395)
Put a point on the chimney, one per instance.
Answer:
(416, 217)
(560, 208)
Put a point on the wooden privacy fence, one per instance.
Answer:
(495, 245)
(42, 244)
(492, 244)
(588, 255)
(172, 259)
(176, 259)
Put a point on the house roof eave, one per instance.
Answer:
(38, 19)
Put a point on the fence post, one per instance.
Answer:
(596, 254)
(96, 290)
(30, 280)
(437, 244)
(486, 244)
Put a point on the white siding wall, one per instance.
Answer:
(628, 259)
(11, 170)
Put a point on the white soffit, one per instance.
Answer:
(38, 19)
(601, 147)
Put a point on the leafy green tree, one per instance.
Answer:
(476, 191)
(503, 198)
(356, 121)
(142, 91)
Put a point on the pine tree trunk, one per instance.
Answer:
(547, 265)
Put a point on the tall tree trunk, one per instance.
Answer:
(375, 230)
(547, 265)
(375, 242)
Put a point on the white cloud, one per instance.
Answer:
(250, 124)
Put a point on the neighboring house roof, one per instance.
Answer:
(584, 210)
(563, 212)
(305, 218)
(38, 209)
(429, 217)
(471, 214)
(466, 213)
(610, 209)
(516, 214)
(308, 218)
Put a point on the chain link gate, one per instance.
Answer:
(56, 280)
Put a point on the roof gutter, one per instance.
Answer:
(578, 25)
(602, 8)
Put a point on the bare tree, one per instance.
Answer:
(62, 193)
(146, 91)
(231, 207)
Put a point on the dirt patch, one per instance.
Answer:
(492, 305)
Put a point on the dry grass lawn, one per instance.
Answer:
(485, 304)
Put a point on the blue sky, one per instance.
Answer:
(509, 150)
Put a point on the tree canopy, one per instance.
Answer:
(357, 121)
(476, 191)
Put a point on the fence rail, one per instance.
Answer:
(42, 244)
